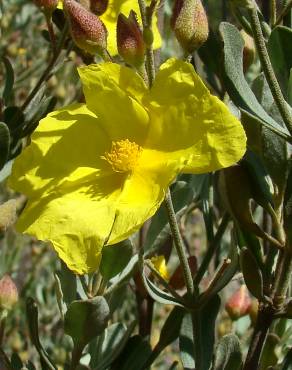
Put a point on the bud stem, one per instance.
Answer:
(47, 71)
(181, 252)
(273, 12)
(51, 32)
(268, 69)
(266, 314)
(76, 356)
(283, 13)
(147, 24)
(179, 244)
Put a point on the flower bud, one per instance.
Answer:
(7, 214)
(190, 24)
(239, 303)
(98, 7)
(130, 41)
(253, 311)
(87, 30)
(8, 293)
(47, 5)
(249, 50)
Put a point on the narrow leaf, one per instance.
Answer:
(9, 80)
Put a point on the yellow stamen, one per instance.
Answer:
(123, 156)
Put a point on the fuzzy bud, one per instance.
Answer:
(7, 214)
(8, 293)
(190, 24)
(87, 30)
(249, 50)
(47, 5)
(98, 7)
(239, 303)
(130, 41)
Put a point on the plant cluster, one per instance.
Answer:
(146, 184)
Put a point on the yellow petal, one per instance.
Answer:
(160, 265)
(142, 193)
(188, 122)
(110, 17)
(66, 149)
(114, 93)
(76, 224)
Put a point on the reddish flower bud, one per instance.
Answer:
(130, 39)
(8, 293)
(190, 24)
(249, 50)
(47, 5)
(239, 303)
(98, 6)
(87, 30)
(253, 311)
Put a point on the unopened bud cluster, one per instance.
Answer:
(87, 30)
(130, 41)
(190, 24)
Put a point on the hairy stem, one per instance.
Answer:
(268, 69)
(211, 249)
(76, 356)
(179, 244)
(51, 33)
(283, 13)
(266, 313)
(147, 25)
(282, 279)
(44, 77)
(273, 12)
(263, 323)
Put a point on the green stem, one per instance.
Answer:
(181, 251)
(282, 279)
(273, 12)
(44, 77)
(263, 323)
(211, 249)
(197, 329)
(76, 356)
(147, 25)
(266, 314)
(283, 13)
(51, 32)
(179, 244)
(268, 69)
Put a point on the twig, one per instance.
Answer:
(283, 13)
(268, 69)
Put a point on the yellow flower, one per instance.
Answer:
(110, 18)
(95, 172)
(159, 264)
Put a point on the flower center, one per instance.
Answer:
(123, 156)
